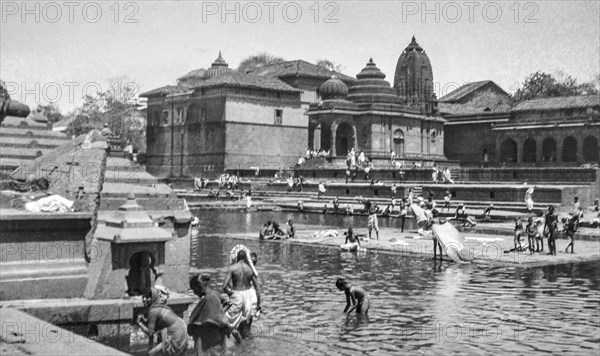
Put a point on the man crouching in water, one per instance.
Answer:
(245, 300)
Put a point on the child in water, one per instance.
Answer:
(356, 297)
(531, 230)
(352, 242)
(518, 232)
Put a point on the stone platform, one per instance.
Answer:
(487, 249)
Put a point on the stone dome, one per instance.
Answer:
(333, 88)
(218, 67)
(371, 87)
(413, 80)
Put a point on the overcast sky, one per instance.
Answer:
(53, 48)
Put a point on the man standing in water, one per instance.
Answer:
(372, 223)
(245, 300)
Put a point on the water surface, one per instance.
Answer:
(417, 306)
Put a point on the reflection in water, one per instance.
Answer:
(418, 306)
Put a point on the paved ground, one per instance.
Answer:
(486, 249)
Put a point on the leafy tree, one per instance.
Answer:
(117, 108)
(544, 85)
(87, 117)
(259, 60)
(51, 111)
(325, 63)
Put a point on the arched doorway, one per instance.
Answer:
(590, 149)
(569, 150)
(399, 143)
(141, 270)
(344, 139)
(529, 150)
(508, 151)
(549, 150)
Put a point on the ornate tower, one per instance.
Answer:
(414, 77)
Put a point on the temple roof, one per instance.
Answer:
(196, 73)
(413, 46)
(413, 77)
(463, 91)
(561, 102)
(371, 87)
(298, 68)
(167, 89)
(463, 109)
(235, 79)
(218, 68)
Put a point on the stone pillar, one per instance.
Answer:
(520, 151)
(559, 148)
(332, 138)
(579, 137)
(538, 150)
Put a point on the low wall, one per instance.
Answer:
(530, 174)
(45, 247)
(25, 334)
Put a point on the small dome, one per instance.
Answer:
(218, 67)
(333, 88)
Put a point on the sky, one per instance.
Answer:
(58, 51)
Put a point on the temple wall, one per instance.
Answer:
(559, 134)
(252, 113)
(466, 142)
(263, 145)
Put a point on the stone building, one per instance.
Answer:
(373, 117)
(470, 112)
(482, 121)
(217, 119)
(550, 131)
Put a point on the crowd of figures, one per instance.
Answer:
(320, 156)
(216, 316)
(219, 316)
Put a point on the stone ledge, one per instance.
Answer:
(24, 334)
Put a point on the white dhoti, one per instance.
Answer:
(243, 307)
(529, 203)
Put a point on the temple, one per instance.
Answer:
(217, 119)
(372, 117)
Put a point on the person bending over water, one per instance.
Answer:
(352, 242)
(356, 297)
(161, 318)
(242, 295)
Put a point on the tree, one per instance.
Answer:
(117, 108)
(326, 63)
(87, 117)
(544, 85)
(51, 111)
(256, 61)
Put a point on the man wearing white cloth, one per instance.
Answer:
(245, 300)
